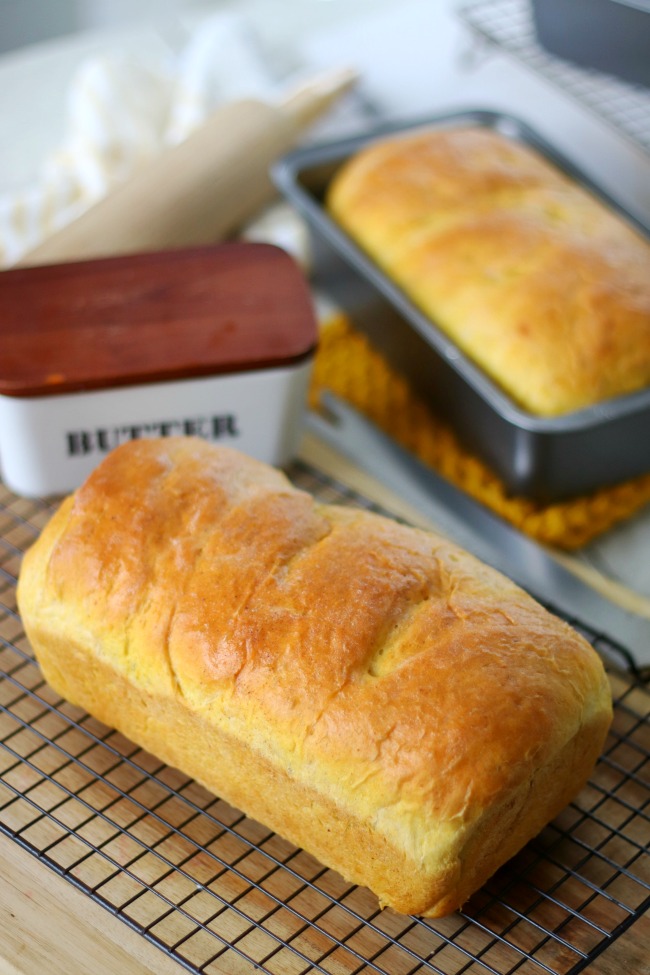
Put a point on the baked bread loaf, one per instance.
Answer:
(366, 689)
(533, 277)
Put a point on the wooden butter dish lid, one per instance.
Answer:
(156, 317)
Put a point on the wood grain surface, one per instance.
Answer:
(46, 925)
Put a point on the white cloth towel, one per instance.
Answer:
(122, 110)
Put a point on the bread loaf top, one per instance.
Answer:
(531, 275)
(375, 662)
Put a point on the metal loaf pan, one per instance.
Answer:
(544, 459)
(610, 35)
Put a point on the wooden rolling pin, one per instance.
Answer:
(200, 190)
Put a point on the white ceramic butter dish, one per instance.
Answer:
(211, 341)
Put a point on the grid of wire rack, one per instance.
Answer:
(221, 894)
(508, 24)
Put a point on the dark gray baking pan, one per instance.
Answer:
(609, 35)
(545, 459)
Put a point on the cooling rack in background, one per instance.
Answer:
(221, 894)
(508, 25)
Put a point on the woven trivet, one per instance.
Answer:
(347, 365)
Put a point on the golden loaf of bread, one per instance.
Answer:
(366, 689)
(534, 278)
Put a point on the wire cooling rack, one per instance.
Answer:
(508, 24)
(221, 894)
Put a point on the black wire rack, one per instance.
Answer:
(508, 25)
(219, 893)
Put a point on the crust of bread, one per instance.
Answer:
(366, 689)
(533, 277)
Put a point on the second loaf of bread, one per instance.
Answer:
(533, 277)
(366, 689)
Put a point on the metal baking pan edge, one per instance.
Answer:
(612, 36)
(545, 459)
